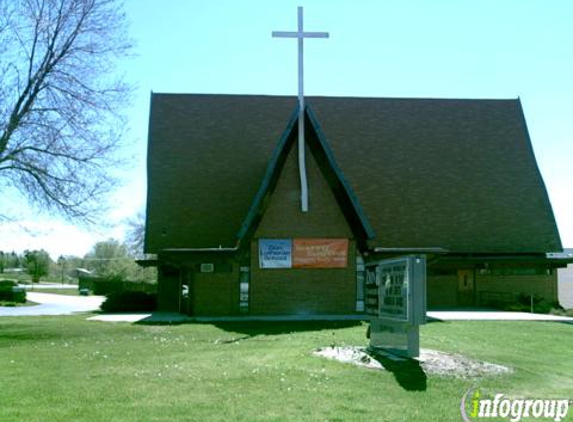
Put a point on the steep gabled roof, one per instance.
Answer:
(318, 145)
(456, 174)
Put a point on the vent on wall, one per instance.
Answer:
(207, 268)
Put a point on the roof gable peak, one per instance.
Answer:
(324, 157)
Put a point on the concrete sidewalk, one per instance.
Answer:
(494, 316)
(166, 317)
(153, 317)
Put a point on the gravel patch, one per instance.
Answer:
(349, 354)
(431, 362)
(455, 365)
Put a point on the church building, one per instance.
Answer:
(455, 180)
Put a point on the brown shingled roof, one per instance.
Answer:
(456, 174)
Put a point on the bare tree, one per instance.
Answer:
(60, 104)
(135, 236)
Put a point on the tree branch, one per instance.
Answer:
(59, 125)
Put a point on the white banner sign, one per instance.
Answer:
(275, 253)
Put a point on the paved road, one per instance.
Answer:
(51, 304)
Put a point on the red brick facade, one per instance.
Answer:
(303, 291)
(215, 294)
(444, 291)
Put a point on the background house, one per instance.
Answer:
(565, 282)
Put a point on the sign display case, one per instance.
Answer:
(396, 300)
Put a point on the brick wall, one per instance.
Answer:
(302, 291)
(215, 294)
(442, 291)
(541, 285)
(209, 293)
(283, 217)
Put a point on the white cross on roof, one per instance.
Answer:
(301, 35)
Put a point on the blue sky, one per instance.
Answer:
(440, 49)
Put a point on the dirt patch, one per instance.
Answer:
(431, 362)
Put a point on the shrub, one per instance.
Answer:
(129, 302)
(7, 293)
(516, 307)
(540, 305)
(562, 312)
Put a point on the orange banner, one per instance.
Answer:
(319, 253)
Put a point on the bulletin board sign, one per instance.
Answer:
(320, 253)
(399, 285)
(275, 253)
(401, 308)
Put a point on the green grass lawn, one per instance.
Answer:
(69, 369)
(16, 304)
(25, 278)
(57, 291)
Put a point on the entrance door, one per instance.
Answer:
(169, 289)
(466, 288)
